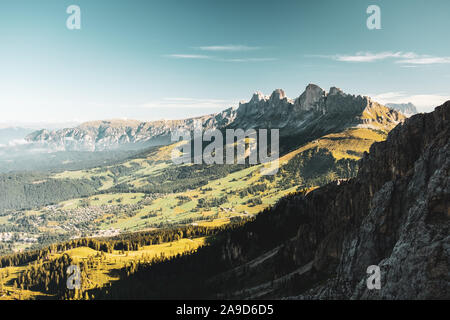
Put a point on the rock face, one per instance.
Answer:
(310, 116)
(312, 99)
(394, 214)
(407, 109)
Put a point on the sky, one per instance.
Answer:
(166, 59)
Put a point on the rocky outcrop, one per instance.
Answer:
(312, 99)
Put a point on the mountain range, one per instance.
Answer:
(313, 114)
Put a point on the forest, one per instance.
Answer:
(49, 275)
(24, 191)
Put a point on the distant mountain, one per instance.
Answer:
(406, 108)
(129, 134)
(313, 114)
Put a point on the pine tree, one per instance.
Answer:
(1, 283)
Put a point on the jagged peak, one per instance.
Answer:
(310, 98)
(335, 90)
(257, 97)
(313, 87)
(278, 94)
(313, 90)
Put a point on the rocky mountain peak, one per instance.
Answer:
(334, 91)
(278, 94)
(257, 97)
(313, 88)
(312, 98)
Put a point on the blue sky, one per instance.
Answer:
(148, 60)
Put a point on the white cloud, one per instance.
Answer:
(249, 60)
(370, 57)
(406, 58)
(426, 60)
(229, 48)
(424, 102)
(17, 142)
(221, 48)
(188, 56)
(212, 58)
